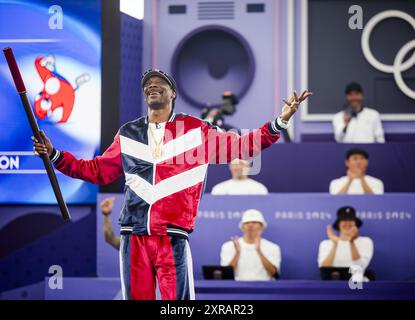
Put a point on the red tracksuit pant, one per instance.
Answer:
(147, 259)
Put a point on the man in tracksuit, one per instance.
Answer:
(164, 157)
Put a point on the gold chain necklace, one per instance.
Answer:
(157, 152)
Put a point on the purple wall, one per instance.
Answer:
(297, 223)
(162, 40)
(309, 167)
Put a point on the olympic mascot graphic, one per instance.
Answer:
(57, 92)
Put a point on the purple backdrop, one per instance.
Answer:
(297, 222)
(309, 167)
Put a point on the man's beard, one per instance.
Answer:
(156, 105)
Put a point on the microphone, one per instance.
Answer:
(158, 126)
(350, 111)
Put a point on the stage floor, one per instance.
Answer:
(109, 289)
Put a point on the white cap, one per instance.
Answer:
(252, 215)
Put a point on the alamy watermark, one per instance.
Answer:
(356, 18)
(357, 278)
(56, 18)
(56, 279)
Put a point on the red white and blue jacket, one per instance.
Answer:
(162, 195)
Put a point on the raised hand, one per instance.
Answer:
(236, 243)
(106, 205)
(352, 174)
(291, 105)
(258, 244)
(331, 235)
(354, 233)
(346, 118)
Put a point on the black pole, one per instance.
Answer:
(21, 89)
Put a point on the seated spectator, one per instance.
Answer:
(252, 257)
(348, 249)
(240, 184)
(356, 123)
(356, 181)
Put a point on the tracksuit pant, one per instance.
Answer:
(146, 259)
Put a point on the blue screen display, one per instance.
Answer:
(58, 50)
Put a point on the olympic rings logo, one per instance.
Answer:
(399, 65)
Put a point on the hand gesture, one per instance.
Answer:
(258, 245)
(236, 243)
(352, 174)
(331, 235)
(291, 106)
(106, 205)
(354, 234)
(346, 118)
(42, 148)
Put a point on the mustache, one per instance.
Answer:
(153, 89)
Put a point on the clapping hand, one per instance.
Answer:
(236, 243)
(354, 234)
(331, 235)
(258, 244)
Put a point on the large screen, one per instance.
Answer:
(58, 50)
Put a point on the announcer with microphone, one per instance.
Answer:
(164, 157)
(356, 123)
